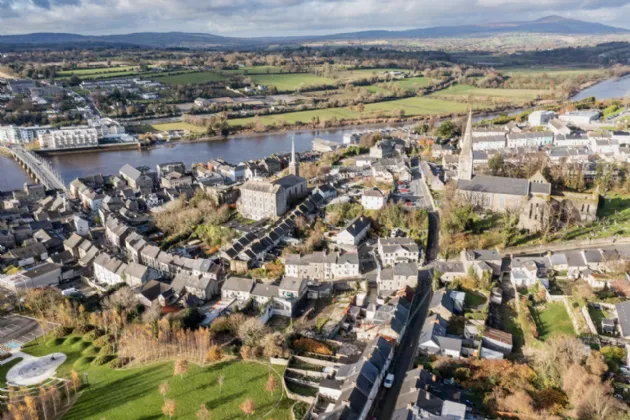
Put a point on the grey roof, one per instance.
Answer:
(130, 172)
(406, 269)
(441, 299)
(289, 181)
(495, 184)
(73, 241)
(593, 256)
(41, 270)
(540, 188)
(265, 290)
(575, 259)
(358, 225)
(238, 284)
(450, 343)
(183, 280)
(434, 326)
(135, 270)
(291, 283)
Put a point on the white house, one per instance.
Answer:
(354, 233)
(538, 118)
(373, 199)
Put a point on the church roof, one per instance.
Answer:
(495, 184)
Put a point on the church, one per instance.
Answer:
(530, 198)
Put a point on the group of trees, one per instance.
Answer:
(215, 125)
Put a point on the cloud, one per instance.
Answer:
(285, 17)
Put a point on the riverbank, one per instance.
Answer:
(94, 149)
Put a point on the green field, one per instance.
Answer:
(94, 71)
(291, 81)
(254, 70)
(465, 90)
(553, 320)
(179, 126)
(550, 71)
(414, 83)
(377, 89)
(110, 75)
(133, 393)
(198, 78)
(411, 106)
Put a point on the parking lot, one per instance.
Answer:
(20, 330)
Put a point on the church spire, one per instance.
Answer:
(294, 166)
(465, 168)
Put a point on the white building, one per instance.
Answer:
(393, 251)
(529, 139)
(70, 137)
(580, 117)
(489, 142)
(109, 270)
(538, 118)
(20, 135)
(373, 199)
(571, 140)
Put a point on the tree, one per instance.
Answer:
(510, 224)
(248, 407)
(163, 389)
(203, 413)
(272, 384)
(252, 331)
(220, 382)
(448, 130)
(169, 408)
(435, 283)
(180, 368)
(360, 108)
(496, 164)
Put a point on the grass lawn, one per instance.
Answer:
(377, 89)
(94, 71)
(290, 81)
(199, 78)
(5, 368)
(465, 90)
(133, 393)
(179, 126)
(414, 83)
(411, 106)
(597, 314)
(553, 320)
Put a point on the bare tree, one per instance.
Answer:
(163, 389)
(220, 382)
(169, 408)
(203, 413)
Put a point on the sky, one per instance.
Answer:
(286, 17)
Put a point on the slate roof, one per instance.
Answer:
(441, 299)
(265, 290)
(623, 313)
(130, 172)
(238, 284)
(495, 184)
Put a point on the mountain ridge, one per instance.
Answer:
(552, 24)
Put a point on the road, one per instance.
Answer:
(406, 354)
(42, 170)
(385, 402)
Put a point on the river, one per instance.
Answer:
(608, 89)
(235, 149)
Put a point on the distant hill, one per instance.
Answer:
(549, 24)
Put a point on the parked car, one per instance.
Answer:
(389, 380)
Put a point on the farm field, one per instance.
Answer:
(254, 70)
(291, 81)
(108, 75)
(133, 393)
(550, 71)
(179, 126)
(191, 78)
(553, 320)
(411, 106)
(94, 71)
(413, 83)
(465, 90)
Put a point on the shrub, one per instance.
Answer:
(81, 345)
(5, 356)
(71, 340)
(82, 362)
(61, 331)
(54, 342)
(106, 350)
(313, 346)
(92, 335)
(82, 329)
(251, 352)
(214, 354)
(90, 351)
(101, 360)
(103, 340)
(118, 362)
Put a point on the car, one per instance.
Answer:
(389, 380)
